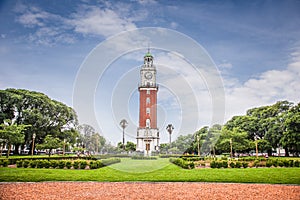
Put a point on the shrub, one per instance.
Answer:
(269, 163)
(68, 164)
(213, 164)
(256, 163)
(296, 163)
(286, 163)
(76, 164)
(40, 164)
(110, 161)
(99, 164)
(61, 164)
(238, 164)
(245, 164)
(83, 164)
(144, 157)
(276, 163)
(53, 164)
(231, 164)
(225, 164)
(182, 163)
(219, 165)
(32, 163)
(291, 163)
(19, 163)
(5, 163)
(26, 163)
(46, 164)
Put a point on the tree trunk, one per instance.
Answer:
(8, 151)
(286, 152)
(16, 151)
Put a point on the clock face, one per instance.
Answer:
(148, 75)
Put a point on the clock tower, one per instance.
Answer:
(147, 132)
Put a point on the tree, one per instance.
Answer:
(291, 136)
(239, 139)
(184, 143)
(46, 116)
(11, 134)
(50, 143)
(130, 146)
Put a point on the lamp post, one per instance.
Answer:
(230, 148)
(123, 124)
(256, 138)
(64, 147)
(198, 141)
(32, 148)
(170, 129)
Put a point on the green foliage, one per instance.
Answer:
(296, 163)
(53, 163)
(68, 164)
(232, 165)
(61, 164)
(225, 164)
(47, 164)
(19, 163)
(238, 164)
(182, 163)
(26, 163)
(256, 163)
(76, 164)
(269, 163)
(110, 161)
(50, 143)
(40, 164)
(83, 164)
(144, 157)
(245, 164)
(32, 163)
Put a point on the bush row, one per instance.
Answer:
(224, 164)
(192, 158)
(182, 163)
(144, 157)
(61, 164)
(282, 163)
(4, 162)
(13, 161)
(169, 155)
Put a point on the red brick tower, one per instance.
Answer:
(148, 133)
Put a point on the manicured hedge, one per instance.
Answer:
(182, 163)
(144, 158)
(62, 164)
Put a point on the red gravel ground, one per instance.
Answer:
(136, 190)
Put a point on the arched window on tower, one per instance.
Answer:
(148, 100)
(148, 111)
(147, 123)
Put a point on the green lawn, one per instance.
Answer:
(154, 171)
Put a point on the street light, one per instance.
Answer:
(64, 147)
(170, 129)
(198, 141)
(32, 148)
(230, 147)
(256, 138)
(123, 124)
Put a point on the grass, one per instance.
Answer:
(154, 171)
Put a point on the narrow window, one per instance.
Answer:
(148, 91)
(148, 111)
(148, 100)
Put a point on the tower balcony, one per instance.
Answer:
(150, 85)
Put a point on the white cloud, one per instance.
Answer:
(266, 88)
(94, 20)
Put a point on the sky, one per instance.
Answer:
(214, 59)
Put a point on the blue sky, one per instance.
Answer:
(255, 46)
